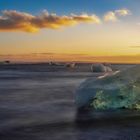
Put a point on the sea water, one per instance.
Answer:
(41, 105)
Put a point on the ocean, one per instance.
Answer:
(37, 102)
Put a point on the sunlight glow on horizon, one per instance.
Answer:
(109, 33)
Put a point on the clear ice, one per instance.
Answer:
(119, 90)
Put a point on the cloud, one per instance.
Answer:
(11, 20)
(113, 16)
(123, 12)
(19, 21)
(110, 16)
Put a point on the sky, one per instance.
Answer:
(70, 30)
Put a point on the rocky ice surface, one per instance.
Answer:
(118, 90)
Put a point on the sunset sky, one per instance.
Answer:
(70, 30)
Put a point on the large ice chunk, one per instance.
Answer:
(100, 68)
(119, 90)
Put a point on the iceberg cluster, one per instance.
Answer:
(118, 90)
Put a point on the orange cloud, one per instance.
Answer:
(20, 21)
(11, 20)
